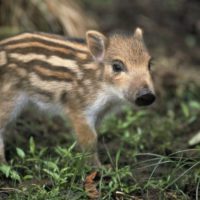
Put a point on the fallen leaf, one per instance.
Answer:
(90, 186)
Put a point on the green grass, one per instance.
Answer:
(147, 149)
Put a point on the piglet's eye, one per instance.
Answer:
(118, 66)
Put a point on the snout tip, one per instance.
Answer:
(145, 98)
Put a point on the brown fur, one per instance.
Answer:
(75, 77)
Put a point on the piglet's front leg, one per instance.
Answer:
(86, 137)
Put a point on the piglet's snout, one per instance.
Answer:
(144, 97)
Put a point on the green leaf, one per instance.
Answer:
(20, 153)
(72, 147)
(185, 110)
(28, 177)
(8, 172)
(5, 169)
(14, 175)
(54, 175)
(51, 165)
(195, 105)
(32, 145)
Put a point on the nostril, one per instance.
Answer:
(145, 99)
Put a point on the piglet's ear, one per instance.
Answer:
(96, 43)
(138, 33)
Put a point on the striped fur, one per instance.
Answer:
(45, 56)
(70, 76)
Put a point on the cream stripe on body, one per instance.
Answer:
(3, 59)
(37, 44)
(52, 60)
(45, 38)
(82, 55)
(49, 85)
